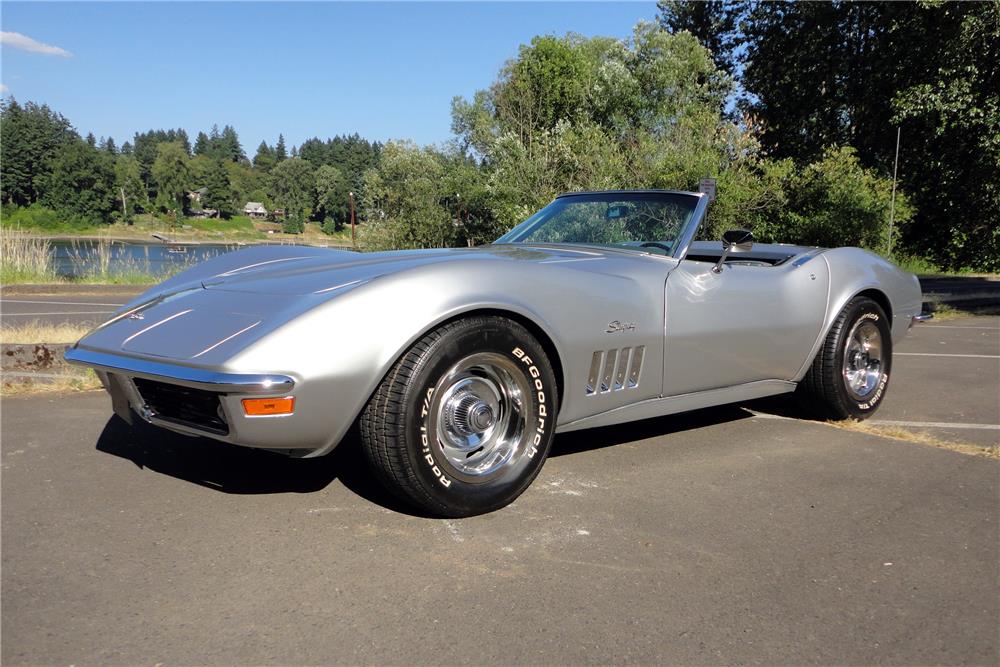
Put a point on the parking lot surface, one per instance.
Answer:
(730, 535)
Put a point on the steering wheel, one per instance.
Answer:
(657, 244)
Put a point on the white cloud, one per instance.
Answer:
(16, 40)
(4, 89)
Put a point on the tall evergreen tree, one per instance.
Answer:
(265, 158)
(201, 145)
(30, 137)
(279, 149)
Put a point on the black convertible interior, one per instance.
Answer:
(760, 255)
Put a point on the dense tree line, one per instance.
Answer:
(819, 75)
(793, 107)
(46, 162)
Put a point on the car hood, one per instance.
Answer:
(312, 274)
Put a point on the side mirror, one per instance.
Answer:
(735, 240)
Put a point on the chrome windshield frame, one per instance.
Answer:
(684, 238)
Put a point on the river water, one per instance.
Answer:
(74, 259)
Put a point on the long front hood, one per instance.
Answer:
(315, 274)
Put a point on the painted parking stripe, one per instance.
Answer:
(951, 326)
(62, 303)
(890, 422)
(938, 354)
(957, 425)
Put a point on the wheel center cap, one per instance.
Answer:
(480, 417)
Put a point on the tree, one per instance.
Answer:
(218, 194)
(713, 22)
(31, 137)
(146, 147)
(265, 157)
(332, 193)
(201, 144)
(81, 183)
(129, 190)
(280, 154)
(108, 146)
(403, 200)
(293, 185)
(229, 147)
(171, 174)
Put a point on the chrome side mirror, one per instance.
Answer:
(735, 240)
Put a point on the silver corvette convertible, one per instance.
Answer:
(458, 366)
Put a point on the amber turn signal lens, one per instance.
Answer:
(256, 407)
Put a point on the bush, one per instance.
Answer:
(43, 219)
(293, 225)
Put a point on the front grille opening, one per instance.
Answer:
(196, 408)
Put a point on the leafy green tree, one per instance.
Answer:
(332, 193)
(129, 189)
(81, 183)
(146, 148)
(293, 186)
(218, 193)
(172, 176)
(403, 200)
(31, 137)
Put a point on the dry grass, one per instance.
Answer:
(36, 331)
(919, 437)
(25, 258)
(75, 381)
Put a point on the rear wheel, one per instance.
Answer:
(850, 374)
(462, 423)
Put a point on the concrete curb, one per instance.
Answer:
(32, 357)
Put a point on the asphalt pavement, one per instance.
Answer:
(727, 536)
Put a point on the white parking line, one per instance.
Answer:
(61, 303)
(980, 427)
(951, 326)
(891, 422)
(72, 312)
(936, 354)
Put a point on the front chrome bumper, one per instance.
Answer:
(197, 378)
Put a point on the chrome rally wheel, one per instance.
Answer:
(462, 423)
(850, 374)
(862, 365)
(480, 408)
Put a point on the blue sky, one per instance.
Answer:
(384, 70)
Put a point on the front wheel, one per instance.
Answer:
(850, 374)
(462, 423)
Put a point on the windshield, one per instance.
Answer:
(652, 221)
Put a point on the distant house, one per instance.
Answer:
(278, 214)
(196, 195)
(255, 210)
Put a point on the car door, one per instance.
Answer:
(744, 324)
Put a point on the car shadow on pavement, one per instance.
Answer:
(245, 471)
(242, 470)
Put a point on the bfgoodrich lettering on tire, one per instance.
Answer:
(462, 423)
(850, 374)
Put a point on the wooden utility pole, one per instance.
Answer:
(353, 242)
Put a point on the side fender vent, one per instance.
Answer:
(614, 370)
